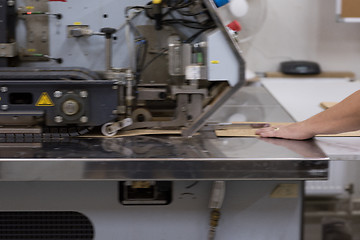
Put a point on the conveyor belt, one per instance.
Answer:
(49, 132)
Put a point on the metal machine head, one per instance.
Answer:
(181, 64)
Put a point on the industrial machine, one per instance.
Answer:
(176, 63)
(68, 67)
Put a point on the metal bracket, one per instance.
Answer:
(37, 27)
(111, 128)
(176, 90)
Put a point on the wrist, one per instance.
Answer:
(308, 128)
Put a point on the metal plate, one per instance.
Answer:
(161, 158)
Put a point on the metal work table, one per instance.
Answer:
(340, 148)
(171, 157)
(161, 159)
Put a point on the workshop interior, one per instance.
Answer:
(134, 120)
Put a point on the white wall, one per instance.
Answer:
(305, 30)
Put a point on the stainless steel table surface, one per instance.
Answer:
(171, 157)
(340, 148)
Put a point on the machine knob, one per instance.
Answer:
(108, 32)
(70, 107)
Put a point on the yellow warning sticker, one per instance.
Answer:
(44, 100)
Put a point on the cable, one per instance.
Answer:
(141, 43)
(127, 9)
(164, 51)
(185, 4)
(192, 184)
(186, 23)
(189, 14)
(194, 36)
(216, 202)
(184, 17)
(140, 57)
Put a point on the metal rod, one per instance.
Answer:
(108, 53)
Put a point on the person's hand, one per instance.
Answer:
(292, 131)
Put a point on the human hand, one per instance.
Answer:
(295, 131)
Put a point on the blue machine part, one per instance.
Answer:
(220, 3)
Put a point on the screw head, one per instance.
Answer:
(4, 89)
(84, 119)
(58, 119)
(58, 94)
(11, 3)
(83, 94)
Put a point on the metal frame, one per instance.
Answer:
(225, 95)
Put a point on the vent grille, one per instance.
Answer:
(45, 225)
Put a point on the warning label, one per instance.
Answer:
(44, 100)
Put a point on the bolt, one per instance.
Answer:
(4, 89)
(83, 94)
(162, 95)
(84, 119)
(4, 107)
(114, 87)
(58, 119)
(11, 3)
(58, 94)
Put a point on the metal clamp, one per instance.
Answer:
(111, 128)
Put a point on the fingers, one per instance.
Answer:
(268, 132)
(293, 131)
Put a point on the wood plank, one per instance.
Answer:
(350, 8)
(250, 132)
(226, 131)
(326, 105)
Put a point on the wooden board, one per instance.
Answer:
(350, 8)
(326, 105)
(250, 132)
(230, 131)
